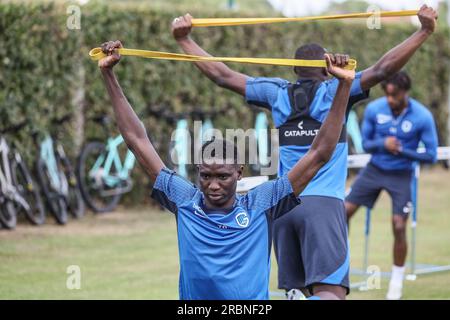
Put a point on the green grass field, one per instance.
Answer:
(132, 253)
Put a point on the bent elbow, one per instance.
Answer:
(382, 73)
(430, 157)
(322, 156)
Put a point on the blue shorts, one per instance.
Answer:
(372, 180)
(311, 244)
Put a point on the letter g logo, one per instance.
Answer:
(242, 219)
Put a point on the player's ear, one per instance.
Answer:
(240, 170)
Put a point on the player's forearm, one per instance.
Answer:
(216, 71)
(128, 122)
(425, 157)
(394, 60)
(330, 131)
(131, 128)
(374, 145)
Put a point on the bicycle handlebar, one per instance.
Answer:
(14, 128)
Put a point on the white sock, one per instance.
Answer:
(397, 275)
(295, 294)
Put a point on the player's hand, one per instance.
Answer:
(181, 27)
(336, 64)
(427, 16)
(392, 145)
(110, 48)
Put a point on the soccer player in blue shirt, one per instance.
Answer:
(224, 239)
(392, 128)
(311, 244)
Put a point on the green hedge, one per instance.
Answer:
(41, 61)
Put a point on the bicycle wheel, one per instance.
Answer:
(75, 202)
(55, 200)
(28, 189)
(8, 214)
(98, 196)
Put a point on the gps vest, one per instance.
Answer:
(300, 128)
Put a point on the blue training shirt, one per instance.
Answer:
(415, 124)
(224, 255)
(272, 93)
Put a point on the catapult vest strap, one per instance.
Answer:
(300, 129)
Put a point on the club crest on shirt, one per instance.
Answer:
(383, 118)
(406, 126)
(242, 219)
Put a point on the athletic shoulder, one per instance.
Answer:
(276, 196)
(172, 190)
(375, 106)
(420, 108)
(282, 83)
(356, 92)
(421, 111)
(377, 103)
(264, 92)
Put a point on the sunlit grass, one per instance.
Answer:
(132, 253)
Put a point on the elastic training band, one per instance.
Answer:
(97, 54)
(222, 22)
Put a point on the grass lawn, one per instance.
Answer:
(132, 253)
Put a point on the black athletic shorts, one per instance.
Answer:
(372, 180)
(311, 244)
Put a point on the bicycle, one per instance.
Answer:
(103, 177)
(58, 179)
(18, 190)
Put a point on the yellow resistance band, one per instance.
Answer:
(221, 22)
(97, 54)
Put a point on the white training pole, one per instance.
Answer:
(366, 240)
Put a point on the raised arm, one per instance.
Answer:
(325, 142)
(218, 72)
(395, 59)
(130, 126)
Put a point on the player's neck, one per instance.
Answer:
(398, 112)
(226, 207)
(317, 76)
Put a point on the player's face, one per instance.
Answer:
(397, 98)
(218, 183)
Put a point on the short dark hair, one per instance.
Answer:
(225, 148)
(401, 80)
(310, 51)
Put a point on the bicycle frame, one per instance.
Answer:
(6, 185)
(47, 153)
(111, 159)
(354, 131)
(5, 172)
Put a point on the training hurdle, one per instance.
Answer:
(415, 269)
